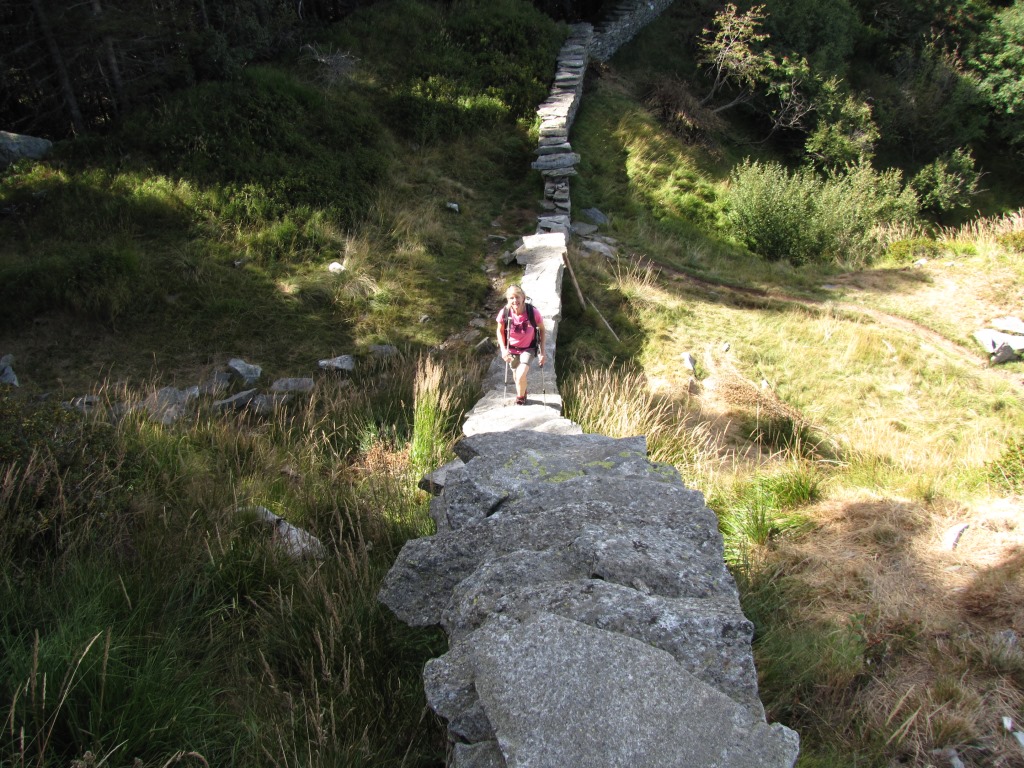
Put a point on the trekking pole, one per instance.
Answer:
(543, 386)
(505, 396)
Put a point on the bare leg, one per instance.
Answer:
(521, 371)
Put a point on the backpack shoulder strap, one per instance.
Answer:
(530, 316)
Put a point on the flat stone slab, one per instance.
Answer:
(560, 693)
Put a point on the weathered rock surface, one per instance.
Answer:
(15, 146)
(585, 535)
(591, 619)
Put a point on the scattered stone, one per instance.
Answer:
(169, 404)
(267, 405)
(596, 216)
(434, 482)
(582, 228)
(305, 384)
(453, 207)
(952, 537)
(693, 386)
(690, 362)
(1009, 325)
(83, 404)
(237, 402)
(1001, 347)
(15, 146)
(339, 363)
(248, 373)
(216, 385)
(424, 319)
(951, 755)
(7, 374)
(593, 246)
(383, 350)
(294, 541)
(336, 267)
(1004, 354)
(507, 258)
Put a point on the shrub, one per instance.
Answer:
(803, 217)
(95, 281)
(1012, 241)
(948, 183)
(845, 131)
(909, 251)
(270, 139)
(476, 65)
(770, 211)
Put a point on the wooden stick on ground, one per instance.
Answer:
(613, 333)
(572, 274)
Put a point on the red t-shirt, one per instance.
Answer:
(520, 329)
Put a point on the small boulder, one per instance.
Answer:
(248, 373)
(339, 363)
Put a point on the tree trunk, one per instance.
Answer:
(120, 95)
(70, 101)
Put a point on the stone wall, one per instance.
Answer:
(590, 616)
(623, 24)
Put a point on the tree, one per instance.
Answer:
(845, 133)
(949, 183)
(733, 53)
(70, 100)
(823, 33)
(998, 60)
(932, 104)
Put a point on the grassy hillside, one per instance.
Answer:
(839, 418)
(148, 618)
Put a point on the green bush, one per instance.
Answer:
(474, 65)
(948, 183)
(804, 217)
(909, 251)
(771, 211)
(97, 281)
(1012, 241)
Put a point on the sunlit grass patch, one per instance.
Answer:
(620, 404)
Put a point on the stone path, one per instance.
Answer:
(590, 615)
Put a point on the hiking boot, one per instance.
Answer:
(521, 400)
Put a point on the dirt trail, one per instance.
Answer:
(742, 295)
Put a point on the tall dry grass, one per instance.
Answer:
(178, 629)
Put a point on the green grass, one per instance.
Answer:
(172, 623)
(148, 617)
(166, 625)
(835, 449)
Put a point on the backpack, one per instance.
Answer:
(505, 320)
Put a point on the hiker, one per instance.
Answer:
(520, 337)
